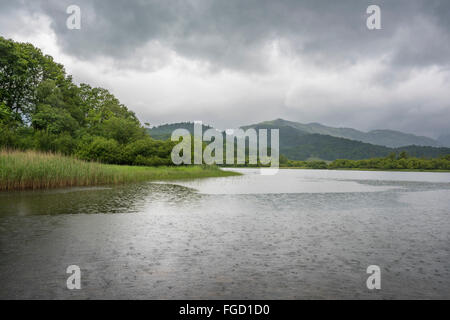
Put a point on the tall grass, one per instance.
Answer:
(36, 170)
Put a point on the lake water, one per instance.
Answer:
(297, 234)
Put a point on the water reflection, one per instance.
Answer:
(236, 237)
(121, 199)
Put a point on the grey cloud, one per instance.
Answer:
(233, 33)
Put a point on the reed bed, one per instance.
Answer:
(21, 170)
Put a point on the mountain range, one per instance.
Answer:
(444, 140)
(388, 138)
(300, 141)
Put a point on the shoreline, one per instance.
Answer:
(369, 169)
(32, 170)
(348, 169)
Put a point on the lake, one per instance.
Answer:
(297, 234)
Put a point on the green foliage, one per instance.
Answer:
(22, 68)
(315, 164)
(122, 130)
(146, 151)
(391, 162)
(403, 155)
(41, 108)
(53, 120)
(5, 114)
(100, 149)
(151, 161)
(403, 162)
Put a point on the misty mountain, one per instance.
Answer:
(298, 144)
(163, 132)
(388, 138)
(444, 140)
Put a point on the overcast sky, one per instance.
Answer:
(235, 62)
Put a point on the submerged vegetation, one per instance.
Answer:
(37, 170)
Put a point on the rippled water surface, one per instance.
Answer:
(297, 234)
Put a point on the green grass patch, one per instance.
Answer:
(36, 170)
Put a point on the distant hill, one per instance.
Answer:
(298, 144)
(332, 148)
(444, 140)
(388, 138)
(163, 132)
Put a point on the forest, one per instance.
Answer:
(41, 108)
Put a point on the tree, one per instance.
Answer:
(403, 155)
(22, 68)
(122, 130)
(100, 149)
(391, 156)
(5, 114)
(53, 120)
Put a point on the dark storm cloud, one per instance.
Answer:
(234, 33)
(331, 68)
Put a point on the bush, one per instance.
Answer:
(151, 161)
(121, 130)
(317, 164)
(147, 148)
(64, 144)
(100, 149)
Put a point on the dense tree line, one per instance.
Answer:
(42, 108)
(402, 161)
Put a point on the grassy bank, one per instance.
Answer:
(35, 170)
